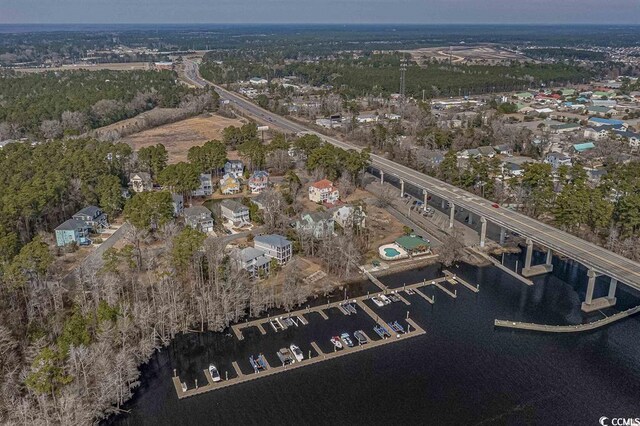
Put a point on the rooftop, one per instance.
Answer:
(274, 240)
(323, 184)
(411, 242)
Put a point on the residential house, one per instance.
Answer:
(323, 191)
(349, 216)
(631, 137)
(177, 200)
(234, 168)
(140, 182)
(258, 81)
(557, 159)
(597, 121)
(235, 212)
(318, 224)
(504, 149)
(487, 151)
(259, 201)
(469, 153)
(601, 111)
(432, 158)
(259, 181)
(253, 261)
(600, 132)
(206, 186)
(73, 231)
(524, 96)
(367, 118)
(94, 217)
(77, 229)
(198, 217)
(565, 127)
(512, 169)
(229, 184)
(274, 246)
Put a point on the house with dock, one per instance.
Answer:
(252, 260)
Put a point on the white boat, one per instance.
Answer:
(385, 299)
(346, 339)
(377, 301)
(214, 373)
(295, 350)
(336, 342)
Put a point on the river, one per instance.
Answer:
(462, 371)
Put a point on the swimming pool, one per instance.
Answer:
(391, 252)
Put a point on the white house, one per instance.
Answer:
(367, 118)
(274, 247)
(349, 216)
(206, 186)
(140, 182)
(323, 191)
(258, 81)
(234, 212)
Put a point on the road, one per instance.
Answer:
(595, 257)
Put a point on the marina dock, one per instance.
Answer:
(446, 290)
(458, 280)
(299, 319)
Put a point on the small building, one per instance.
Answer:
(323, 191)
(177, 201)
(632, 138)
(275, 247)
(258, 81)
(234, 212)
(140, 182)
(504, 149)
(199, 217)
(512, 169)
(206, 186)
(252, 260)
(413, 244)
(229, 184)
(367, 118)
(234, 167)
(523, 95)
(259, 181)
(582, 147)
(317, 224)
(601, 111)
(468, 153)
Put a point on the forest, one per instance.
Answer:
(71, 102)
(379, 74)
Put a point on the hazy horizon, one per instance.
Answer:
(324, 12)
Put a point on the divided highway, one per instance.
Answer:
(597, 258)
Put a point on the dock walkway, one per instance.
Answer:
(567, 328)
(504, 268)
(458, 280)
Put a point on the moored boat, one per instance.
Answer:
(297, 353)
(214, 373)
(336, 342)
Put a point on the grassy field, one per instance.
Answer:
(180, 136)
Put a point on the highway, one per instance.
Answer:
(595, 257)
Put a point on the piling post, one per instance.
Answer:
(309, 354)
(407, 314)
(408, 328)
(174, 372)
(196, 383)
(226, 375)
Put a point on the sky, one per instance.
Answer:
(321, 11)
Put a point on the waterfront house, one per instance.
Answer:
(275, 247)
(323, 191)
(229, 184)
(234, 212)
(318, 224)
(252, 260)
(72, 231)
(259, 181)
(198, 217)
(349, 216)
(92, 216)
(206, 186)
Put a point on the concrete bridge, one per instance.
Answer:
(598, 260)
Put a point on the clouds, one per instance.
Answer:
(319, 11)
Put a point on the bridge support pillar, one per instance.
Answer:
(452, 213)
(381, 177)
(549, 260)
(612, 288)
(470, 218)
(527, 258)
(426, 198)
(503, 235)
(483, 230)
(590, 304)
(401, 188)
(443, 203)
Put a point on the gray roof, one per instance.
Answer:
(233, 205)
(177, 198)
(89, 211)
(318, 216)
(272, 240)
(72, 225)
(250, 253)
(143, 175)
(196, 211)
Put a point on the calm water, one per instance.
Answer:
(463, 371)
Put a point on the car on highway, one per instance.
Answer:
(495, 205)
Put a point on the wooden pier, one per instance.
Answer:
(457, 280)
(443, 288)
(431, 300)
